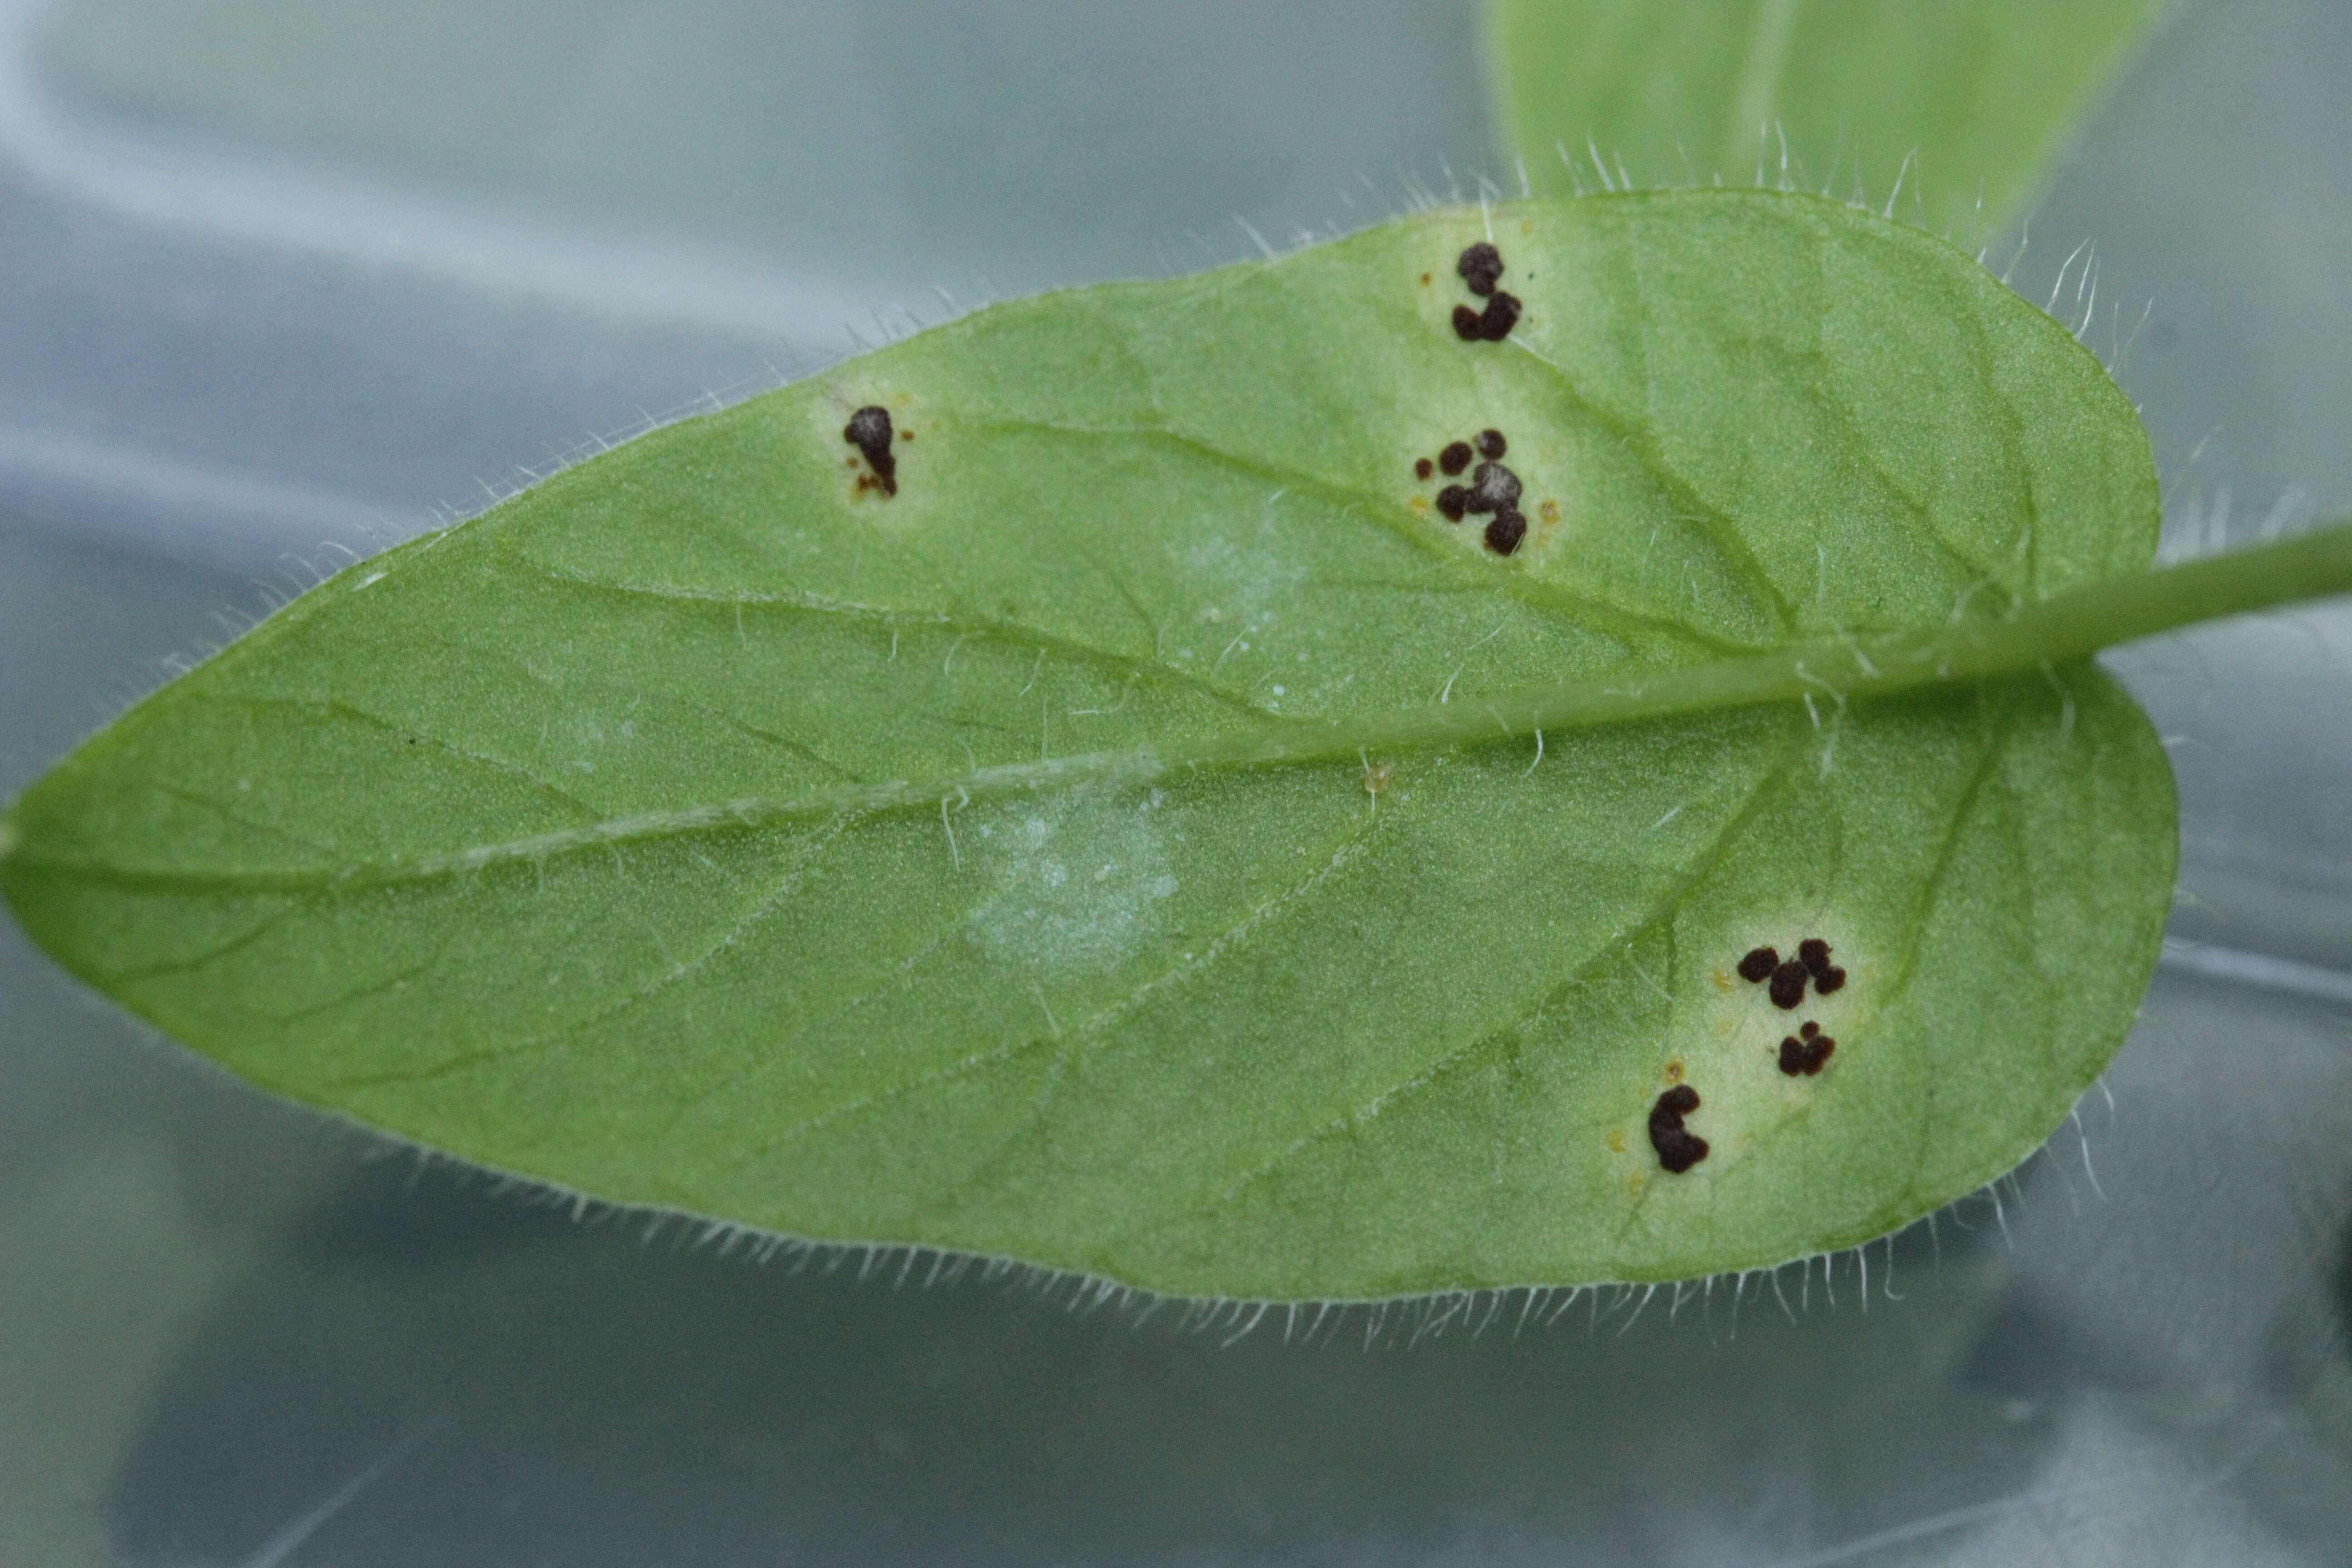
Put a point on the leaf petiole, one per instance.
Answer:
(2058, 630)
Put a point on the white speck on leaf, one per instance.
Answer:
(1077, 883)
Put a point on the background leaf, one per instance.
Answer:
(1821, 94)
(709, 827)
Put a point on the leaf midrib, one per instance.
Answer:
(2063, 629)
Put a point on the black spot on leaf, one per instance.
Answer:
(1454, 459)
(868, 430)
(1422, 467)
(1504, 533)
(1678, 1148)
(1807, 1051)
(1496, 321)
(1452, 500)
(1491, 444)
(1480, 266)
(1494, 487)
(1678, 1151)
(1811, 966)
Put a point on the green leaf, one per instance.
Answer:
(1130, 847)
(1962, 101)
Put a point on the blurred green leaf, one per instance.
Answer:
(1963, 100)
(1128, 846)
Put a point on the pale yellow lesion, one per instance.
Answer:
(828, 417)
(1723, 1041)
(1483, 402)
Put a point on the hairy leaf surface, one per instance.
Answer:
(1971, 95)
(1031, 861)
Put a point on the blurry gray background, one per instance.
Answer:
(282, 281)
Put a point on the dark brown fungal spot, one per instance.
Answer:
(1422, 467)
(1788, 985)
(1452, 500)
(1480, 266)
(868, 430)
(1815, 954)
(1494, 487)
(1759, 965)
(1829, 980)
(1504, 533)
(1454, 459)
(1678, 1148)
(1678, 1151)
(1806, 1051)
(1496, 321)
(1491, 444)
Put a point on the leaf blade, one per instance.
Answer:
(1850, 96)
(1138, 1017)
